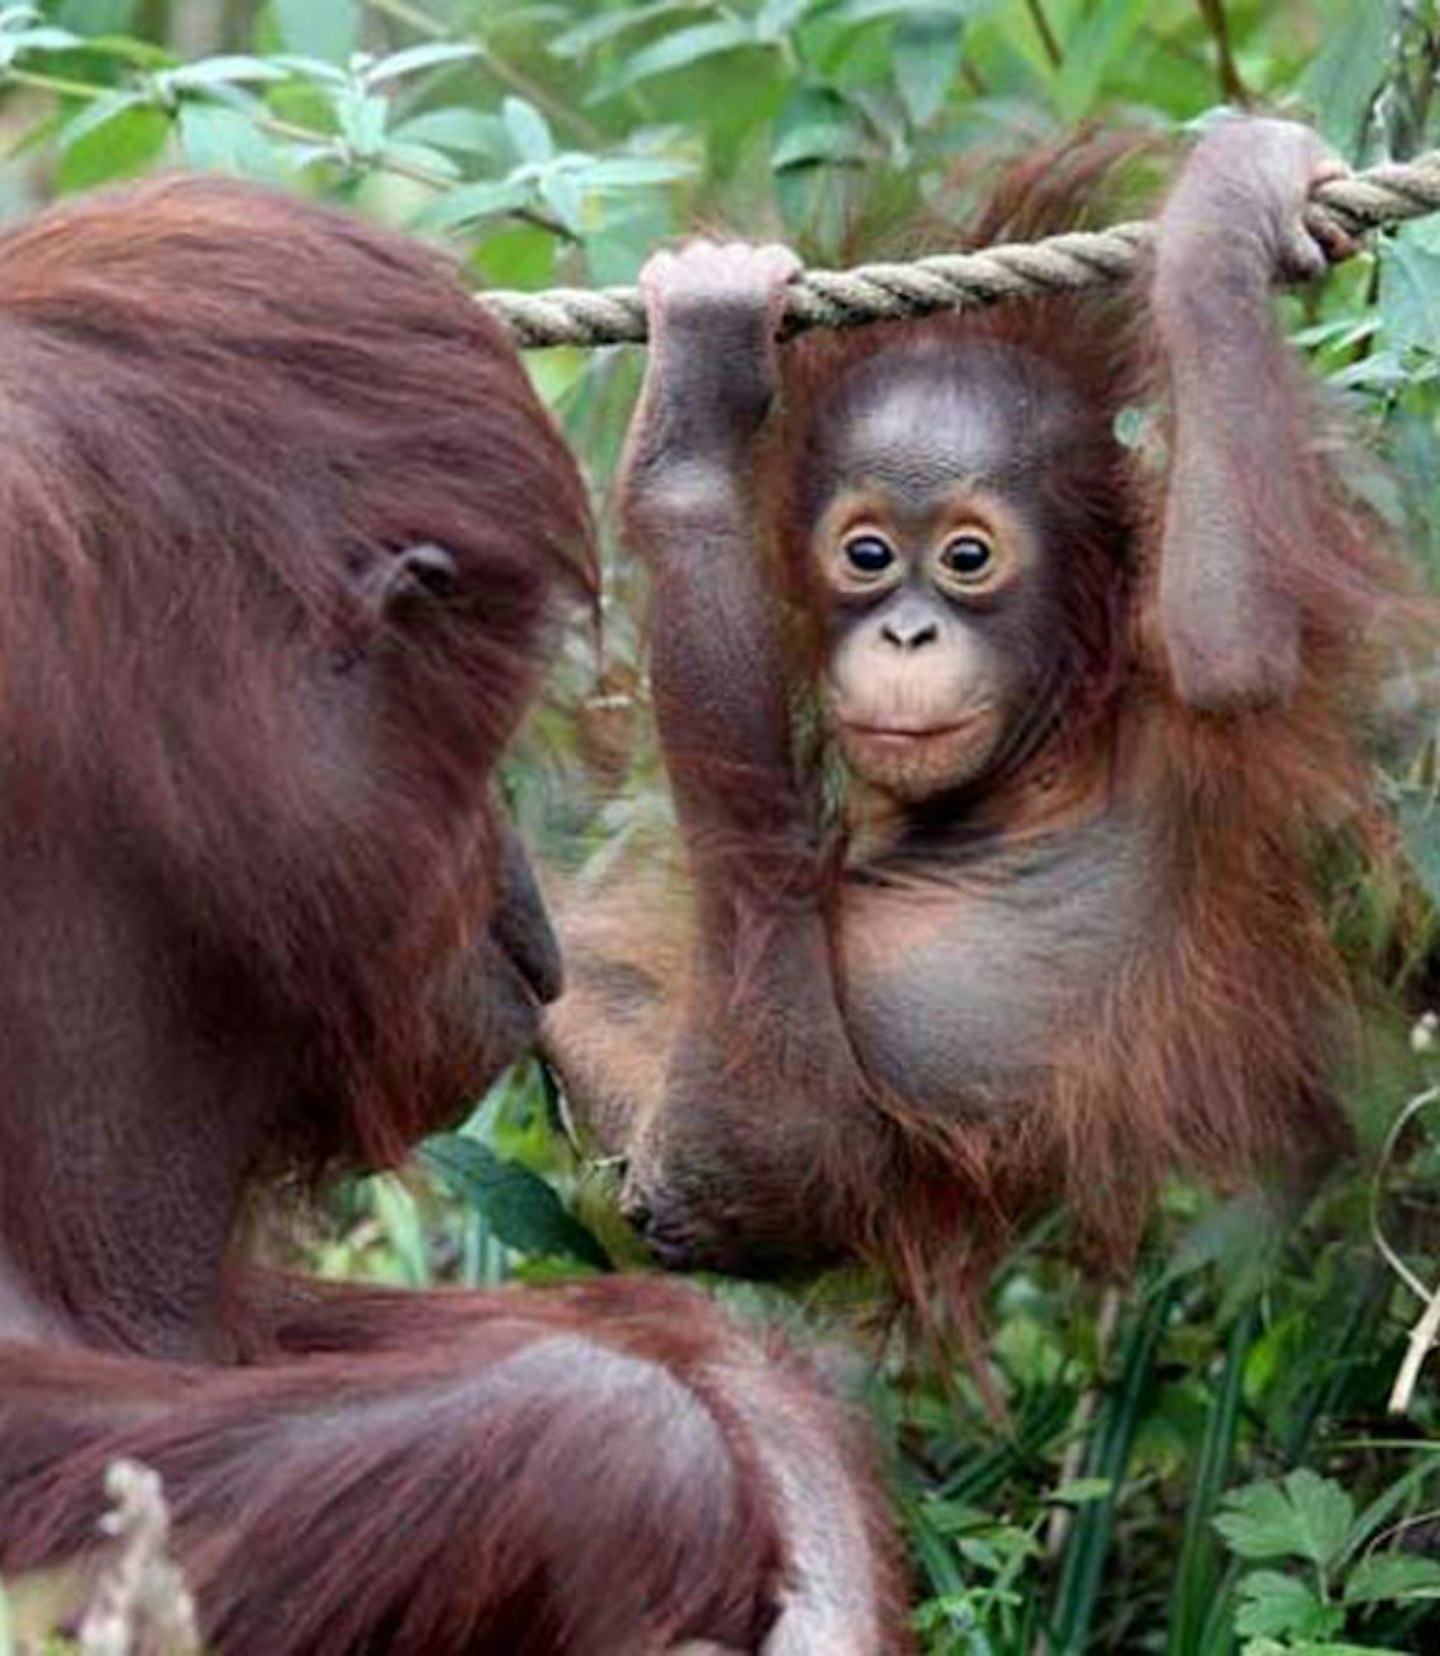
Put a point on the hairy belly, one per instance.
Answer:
(963, 982)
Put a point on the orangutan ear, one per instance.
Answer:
(424, 570)
(387, 587)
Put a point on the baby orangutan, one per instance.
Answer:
(1067, 937)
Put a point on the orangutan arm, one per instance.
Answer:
(1240, 499)
(720, 683)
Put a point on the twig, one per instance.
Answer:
(502, 69)
(1423, 1334)
(1047, 34)
(403, 12)
(141, 1602)
(1062, 1516)
(57, 84)
(1231, 85)
(1422, 1338)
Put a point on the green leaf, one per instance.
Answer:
(415, 58)
(818, 125)
(1077, 1491)
(596, 31)
(777, 18)
(1259, 1522)
(471, 131)
(854, 12)
(1342, 82)
(683, 48)
(632, 224)
(420, 156)
(144, 54)
(120, 140)
(99, 113)
(474, 201)
(1393, 1575)
(628, 172)
(327, 29)
(362, 119)
(522, 1210)
(232, 70)
(399, 1219)
(1271, 1603)
(1380, 372)
(1096, 47)
(301, 156)
(1420, 828)
(313, 68)
(1243, 1236)
(926, 53)
(1196, 1576)
(529, 131)
(1410, 293)
(1325, 1511)
(1306, 1517)
(560, 191)
(1325, 1647)
(16, 39)
(216, 138)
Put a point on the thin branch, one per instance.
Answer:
(403, 12)
(1417, 1348)
(1062, 1516)
(1231, 85)
(503, 70)
(1046, 33)
(61, 87)
(1423, 1334)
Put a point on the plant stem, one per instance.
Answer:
(61, 87)
(403, 12)
(1046, 33)
(1231, 85)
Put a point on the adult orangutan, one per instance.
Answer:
(280, 521)
(1066, 937)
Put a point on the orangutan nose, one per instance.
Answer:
(666, 1229)
(909, 628)
(635, 1209)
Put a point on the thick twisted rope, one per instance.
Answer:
(954, 281)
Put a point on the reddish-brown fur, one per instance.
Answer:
(261, 916)
(1210, 1048)
(1230, 1027)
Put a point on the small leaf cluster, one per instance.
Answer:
(1310, 1523)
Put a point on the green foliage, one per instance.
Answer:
(522, 1209)
(1189, 1466)
(1308, 1520)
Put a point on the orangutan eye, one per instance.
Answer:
(868, 554)
(968, 557)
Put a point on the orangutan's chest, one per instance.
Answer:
(963, 983)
